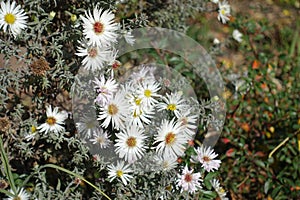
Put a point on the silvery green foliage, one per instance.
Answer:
(43, 191)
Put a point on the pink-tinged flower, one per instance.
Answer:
(105, 90)
(189, 181)
(206, 156)
(95, 58)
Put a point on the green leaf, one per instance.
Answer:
(275, 191)
(7, 193)
(6, 166)
(271, 160)
(267, 186)
(260, 163)
(58, 185)
(210, 194)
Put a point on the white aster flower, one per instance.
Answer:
(166, 162)
(143, 74)
(32, 133)
(22, 195)
(129, 38)
(99, 27)
(139, 112)
(172, 102)
(113, 56)
(128, 91)
(130, 143)
(216, 41)
(136, 103)
(96, 158)
(237, 35)
(221, 192)
(171, 141)
(54, 121)
(189, 181)
(140, 116)
(105, 90)
(206, 156)
(12, 17)
(115, 111)
(215, 1)
(101, 138)
(113, 62)
(94, 56)
(87, 126)
(120, 171)
(147, 91)
(188, 122)
(224, 11)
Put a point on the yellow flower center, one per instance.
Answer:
(135, 114)
(221, 190)
(223, 12)
(33, 129)
(73, 18)
(51, 121)
(98, 28)
(170, 138)
(92, 52)
(138, 101)
(147, 93)
(112, 109)
(171, 107)
(119, 173)
(10, 18)
(131, 142)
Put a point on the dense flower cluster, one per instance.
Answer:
(126, 113)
